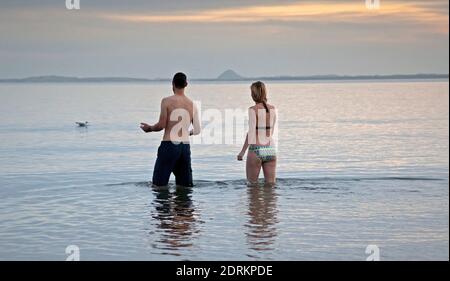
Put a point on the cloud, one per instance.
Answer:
(354, 12)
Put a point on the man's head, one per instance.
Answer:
(179, 81)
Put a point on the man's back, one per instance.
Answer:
(180, 115)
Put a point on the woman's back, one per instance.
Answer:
(263, 123)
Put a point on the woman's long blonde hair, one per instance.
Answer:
(259, 93)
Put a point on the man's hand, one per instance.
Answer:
(146, 127)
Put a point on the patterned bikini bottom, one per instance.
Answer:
(265, 153)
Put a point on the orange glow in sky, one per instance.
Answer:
(326, 12)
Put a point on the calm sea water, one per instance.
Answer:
(359, 163)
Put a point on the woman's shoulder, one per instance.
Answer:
(258, 107)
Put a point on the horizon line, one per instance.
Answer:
(427, 74)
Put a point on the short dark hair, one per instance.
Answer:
(180, 80)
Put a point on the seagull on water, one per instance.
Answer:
(82, 124)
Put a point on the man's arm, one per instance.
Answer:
(162, 120)
(197, 127)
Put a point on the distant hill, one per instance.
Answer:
(229, 75)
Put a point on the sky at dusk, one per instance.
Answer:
(154, 39)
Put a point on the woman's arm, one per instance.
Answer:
(251, 135)
(244, 149)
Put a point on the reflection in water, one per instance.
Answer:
(176, 218)
(262, 211)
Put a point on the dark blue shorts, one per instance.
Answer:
(173, 158)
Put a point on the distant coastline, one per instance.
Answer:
(227, 76)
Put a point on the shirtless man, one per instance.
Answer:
(178, 112)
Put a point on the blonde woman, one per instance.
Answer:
(259, 140)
